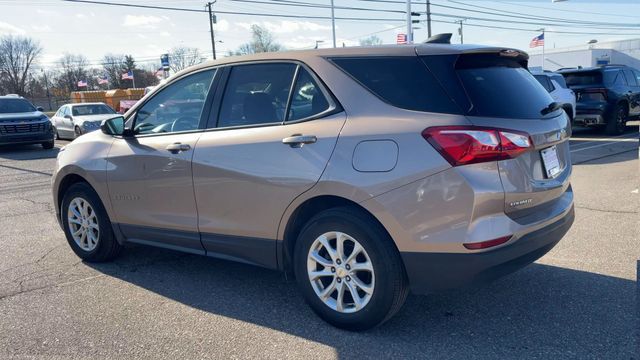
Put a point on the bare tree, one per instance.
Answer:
(73, 68)
(181, 57)
(114, 66)
(371, 40)
(17, 53)
(261, 41)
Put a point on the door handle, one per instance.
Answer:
(298, 140)
(178, 147)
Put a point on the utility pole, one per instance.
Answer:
(46, 86)
(409, 24)
(460, 31)
(429, 18)
(333, 24)
(212, 20)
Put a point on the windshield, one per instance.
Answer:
(10, 106)
(80, 110)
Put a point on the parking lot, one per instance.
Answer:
(578, 301)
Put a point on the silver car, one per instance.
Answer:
(73, 120)
(363, 172)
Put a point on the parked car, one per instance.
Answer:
(607, 96)
(421, 167)
(73, 120)
(23, 123)
(555, 84)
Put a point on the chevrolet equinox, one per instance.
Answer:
(363, 172)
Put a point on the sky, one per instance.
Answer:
(94, 30)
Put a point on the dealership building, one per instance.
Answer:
(624, 52)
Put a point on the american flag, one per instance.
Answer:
(159, 72)
(127, 76)
(537, 41)
(103, 80)
(401, 39)
(82, 83)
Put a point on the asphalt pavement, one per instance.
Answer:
(577, 302)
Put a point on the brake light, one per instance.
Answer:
(461, 145)
(487, 244)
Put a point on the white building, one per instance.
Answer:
(624, 52)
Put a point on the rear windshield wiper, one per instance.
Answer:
(550, 108)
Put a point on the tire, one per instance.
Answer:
(77, 132)
(57, 135)
(387, 282)
(617, 120)
(48, 145)
(105, 247)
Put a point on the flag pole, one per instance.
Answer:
(543, 45)
(133, 77)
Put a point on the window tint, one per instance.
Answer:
(544, 81)
(631, 78)
(256, 94)
(505, 91)
(307, 99)
(9, 106)
(559, 79)
(614, 77)
(404, 82)
(81, 110)
(178, 107)
(583, 78)
(637, 74)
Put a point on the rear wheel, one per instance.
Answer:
(55, 131)
(77, 132)
(349, 270)
(87, 225)
(617, 121)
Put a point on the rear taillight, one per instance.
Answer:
(462, 145)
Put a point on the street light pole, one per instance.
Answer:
(211, 20)
(333, 24)
(461, 31)
(429, 18)
(46, 86)
(409, 22)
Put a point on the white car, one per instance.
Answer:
(555, 84)
(73, 120)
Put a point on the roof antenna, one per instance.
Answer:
(444, 38)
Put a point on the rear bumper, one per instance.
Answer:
(433, 272)
(589, 119)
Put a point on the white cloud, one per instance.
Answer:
(287, 26)
(47, 12)
(41, 28)
(144, 21)
(6, 28)
(306, 42)
(81, 16)
(165, 33)
(222, 25)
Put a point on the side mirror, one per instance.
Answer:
(40, 108)
(67, 117)
(115, 126)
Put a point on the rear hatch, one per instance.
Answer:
(496, 91)
(589, 86)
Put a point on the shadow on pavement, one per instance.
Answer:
(27, 152)
(539, 312)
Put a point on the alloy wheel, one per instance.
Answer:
(340, 272)
(83, 224)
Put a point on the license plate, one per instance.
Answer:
(550, 161)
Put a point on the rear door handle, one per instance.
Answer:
(178, 147)
(298, 140)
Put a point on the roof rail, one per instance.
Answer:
(444, 38)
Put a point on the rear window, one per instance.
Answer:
(10, 106)
(404, 82)
(583, 78)
(501, 87)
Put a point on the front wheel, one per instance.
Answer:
(77, 132)
(348, 269)
(48, 145)
(87, 225)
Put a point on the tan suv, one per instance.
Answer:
(364, 172)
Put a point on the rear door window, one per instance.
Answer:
(501, 87)
(559, 79)
(403, 82)
(256, 94)
(307, 99)
(544, 81)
